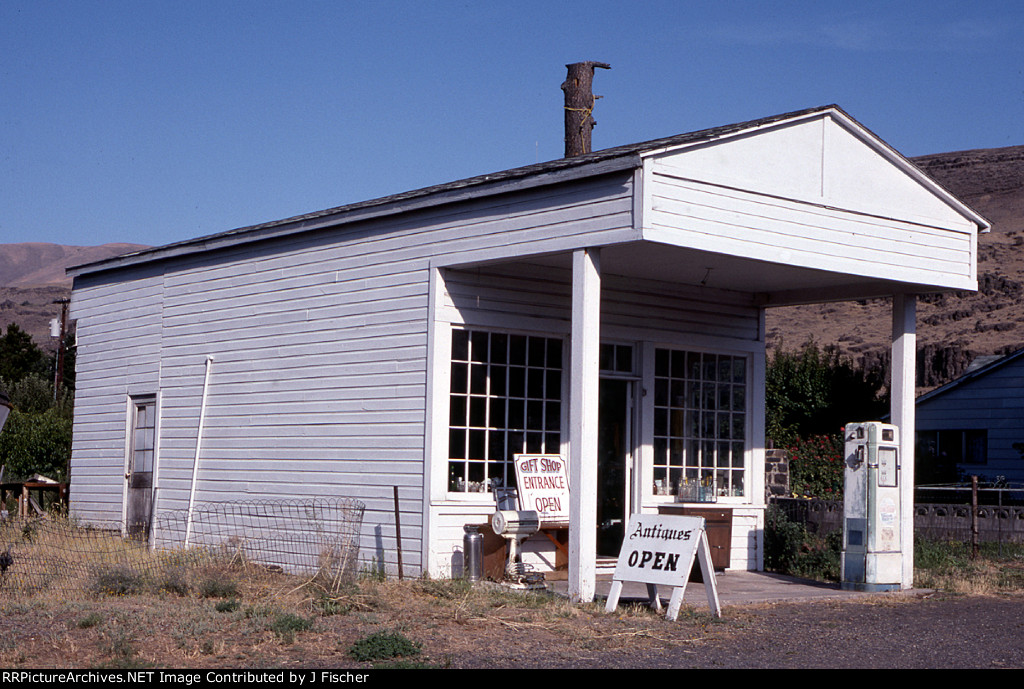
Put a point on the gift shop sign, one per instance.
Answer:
(543, 486)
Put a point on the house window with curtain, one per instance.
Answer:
(505, 399)
(700, 425)
(941, 454)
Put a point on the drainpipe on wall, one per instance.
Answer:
(199, 442)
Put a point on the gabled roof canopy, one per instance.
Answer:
(801, 166)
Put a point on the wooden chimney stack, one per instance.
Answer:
(579, 106)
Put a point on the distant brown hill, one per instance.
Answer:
(952, 328)
(35, 264)
(32, 277)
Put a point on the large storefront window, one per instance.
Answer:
(700, 421)
(506, 399)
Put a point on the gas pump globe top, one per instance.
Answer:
(872, 557)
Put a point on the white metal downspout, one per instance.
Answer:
(199, 442)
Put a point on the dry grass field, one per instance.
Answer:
(214, 613)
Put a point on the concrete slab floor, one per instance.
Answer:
(734, 588)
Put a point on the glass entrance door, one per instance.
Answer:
(614, 450)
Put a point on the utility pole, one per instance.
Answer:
(59, 378)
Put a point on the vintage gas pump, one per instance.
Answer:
(872, 558)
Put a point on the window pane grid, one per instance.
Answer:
(505, 400)
(144, 437)
(699, 424)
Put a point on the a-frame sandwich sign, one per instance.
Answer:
(660, 549)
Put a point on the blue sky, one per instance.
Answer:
(154, 122)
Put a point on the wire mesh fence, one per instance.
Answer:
(936, 521)
(317, 538)
(55, 554)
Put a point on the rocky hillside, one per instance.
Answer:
(955, 328)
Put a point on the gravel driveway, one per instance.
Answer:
(930, 631)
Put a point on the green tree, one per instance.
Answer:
(19, 355)
(37, 435)
(814, 391)
(36, 443)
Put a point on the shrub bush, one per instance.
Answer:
(782, 540)
(816, 467)
(790, 549)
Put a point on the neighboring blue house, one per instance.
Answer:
(969, 426)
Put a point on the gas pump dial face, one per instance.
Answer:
(887, 467)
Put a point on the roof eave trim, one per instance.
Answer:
(477, 187)
(745, 129)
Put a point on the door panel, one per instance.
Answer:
(139, 473)
(613, 452)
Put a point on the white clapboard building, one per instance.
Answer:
(608, 308)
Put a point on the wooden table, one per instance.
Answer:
(717, 525)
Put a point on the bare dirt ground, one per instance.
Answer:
(452, 625)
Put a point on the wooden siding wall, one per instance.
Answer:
(712, 218)
(129, 339)
(994, 402)
(631, 308)
(319, 340)
(817, 193)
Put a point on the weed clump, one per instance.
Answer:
(445, 589)
(285, 625)
(383, 645)
(256, 612)
(90, 620)
(118, 581)
(373, 571)
(227, 605)
(218, 588)
(949, 566)
(327, 606)
(175, 582)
